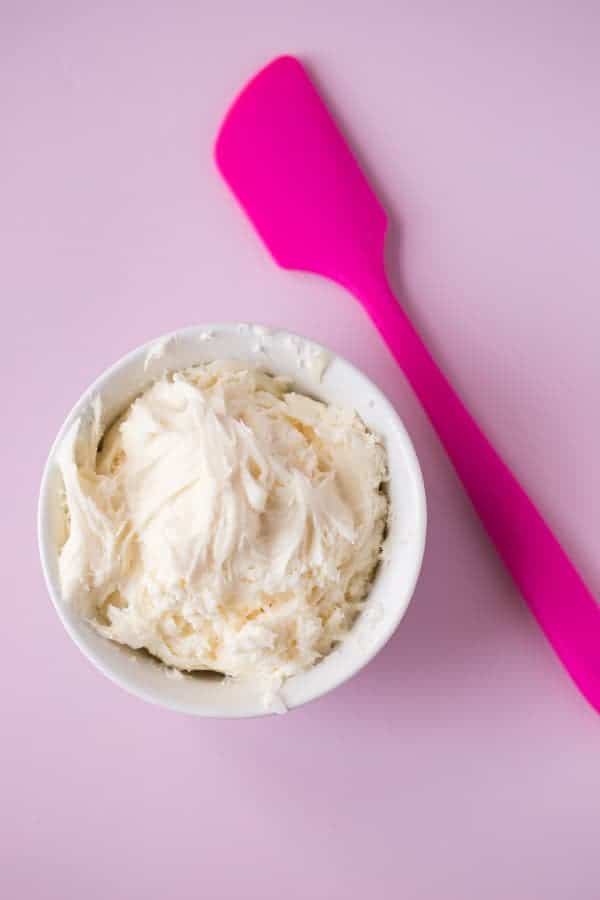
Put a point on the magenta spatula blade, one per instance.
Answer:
(291, 170)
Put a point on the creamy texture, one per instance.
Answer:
(225, 523)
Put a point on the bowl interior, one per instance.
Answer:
(396, 577)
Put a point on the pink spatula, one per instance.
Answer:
(285, 160)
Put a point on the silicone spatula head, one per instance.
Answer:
(291, 170)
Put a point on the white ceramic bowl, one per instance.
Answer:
(395, 581)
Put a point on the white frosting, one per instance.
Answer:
(226, 523)
(309, 356)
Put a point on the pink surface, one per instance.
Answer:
(461, 763)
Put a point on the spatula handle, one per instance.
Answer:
(556, 594)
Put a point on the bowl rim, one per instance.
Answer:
(47, 545)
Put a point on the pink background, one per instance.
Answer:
(461, 763)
